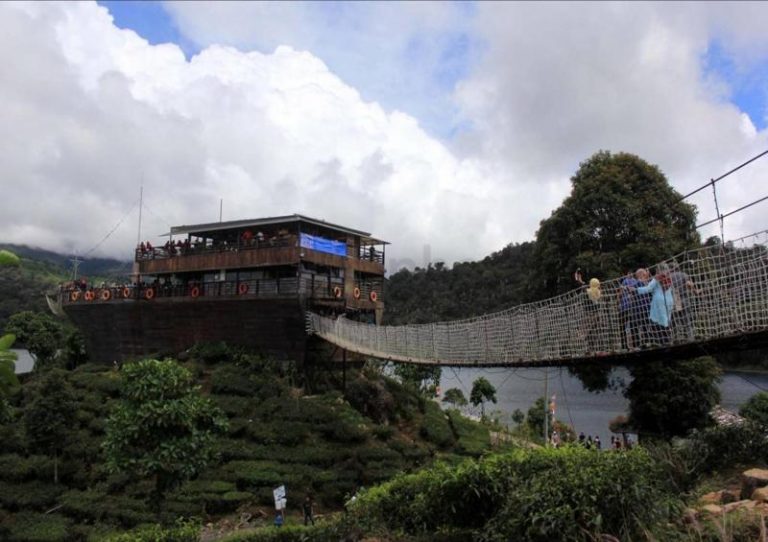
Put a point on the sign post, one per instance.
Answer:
(280, 500)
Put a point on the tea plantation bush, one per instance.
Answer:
(537, 495)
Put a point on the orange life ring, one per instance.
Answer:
(195, 291)
(356, 292)
(89, 295)
(74, 296)
(374, 296)
(106, 295)
(336, 292)
(243, 288)
(126, 292)
(150, 293)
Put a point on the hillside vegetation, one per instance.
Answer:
(320, 444)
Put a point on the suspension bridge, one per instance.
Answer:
(717, 300)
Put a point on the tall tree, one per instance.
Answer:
(9, 382)
(49, 415)
(621, 214)
(162, 427)
(40, 333)
(455, 397)
(670, 398)
(482, 391)
(422, 378)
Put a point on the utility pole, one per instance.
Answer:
(75, 265)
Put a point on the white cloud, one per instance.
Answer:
(91, 112)
(269, 133)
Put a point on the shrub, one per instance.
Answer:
(31, 527)
(29, 495)
(327, 532)
(183, 531)
(435, 427)
(233, 405)
(544, 494)
(211, 353)
(231, 380)
(473, 437)
(756, 408)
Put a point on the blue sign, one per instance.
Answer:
(321, 244)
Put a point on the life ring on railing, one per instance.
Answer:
(106, 295)
(337, 292)
(356, 292)
(126, 292)
(374, 296)
(74, 296)
(149, 294)
(195, 291)
(89, 295)
(242, 289)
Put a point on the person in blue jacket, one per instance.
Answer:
(662, 303)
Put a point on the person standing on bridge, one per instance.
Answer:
(662, 303)
(627, 302)
(592, 307)
(682, 315)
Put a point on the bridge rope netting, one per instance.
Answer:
(697, 297)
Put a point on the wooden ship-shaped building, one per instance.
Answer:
(246, 282)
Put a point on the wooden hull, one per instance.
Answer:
(129, 329)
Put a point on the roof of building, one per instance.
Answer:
(197, 229)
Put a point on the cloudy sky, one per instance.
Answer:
(449, 129)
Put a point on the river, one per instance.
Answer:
(586, 412)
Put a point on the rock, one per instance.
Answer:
(751, 480)
(730, 495)
(712, 509)
(745, 504)
(714, 497)
(760, 494)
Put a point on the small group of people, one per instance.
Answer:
(620, 444)
(307, 508)
(653, 310)
(589, 442)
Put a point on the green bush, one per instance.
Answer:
(544, 494)
(183, 531)
(233, 405)
(216, 352)
(95, 505)
(232, 380)
(473, 437)
(327, 532)
(756, 409)
(35, 495)
(31, 527)
(435, 427)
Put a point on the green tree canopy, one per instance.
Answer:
(9, 382)
(49, 414)
(422, 378)
(756, 408)
(455, 396)
(535, 417)
(9, 259)
(482, 391)
(621, 214)
(40, 333)
(162, 427)
(670, 398)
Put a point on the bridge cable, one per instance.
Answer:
(726, 215)
(724, 175)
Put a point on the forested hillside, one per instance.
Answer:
(23, 284)
(437, 293)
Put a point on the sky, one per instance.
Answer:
(449, 129)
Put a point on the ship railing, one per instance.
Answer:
(317, 287)
(370, 254)
(173, 251)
